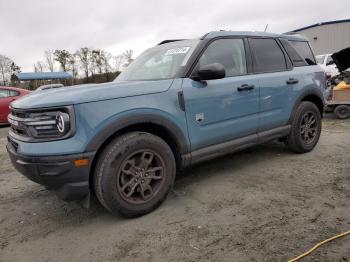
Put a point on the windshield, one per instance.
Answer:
(320, 59)
(160, 62)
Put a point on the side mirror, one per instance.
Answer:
(210, 72)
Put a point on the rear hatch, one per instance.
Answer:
(342, 59)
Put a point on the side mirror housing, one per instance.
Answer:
(210, 72)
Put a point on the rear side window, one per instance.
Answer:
(228, 52)
(296, 58)
(268, 56)
(4, 93)
(304, 50)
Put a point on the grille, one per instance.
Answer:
(16, 120)
(38, 125)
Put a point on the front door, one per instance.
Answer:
(223, 109)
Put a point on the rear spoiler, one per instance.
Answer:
(342, 59)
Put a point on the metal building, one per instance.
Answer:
(327, 37)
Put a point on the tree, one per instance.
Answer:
(100, 60)
(62, 57)
(72, 63)
(84, 55)
(50, 59)
(97, 59)
(128, 56)
(118, 61)
(14, 70)
(107, 62)
(8, 69)
(39, 66)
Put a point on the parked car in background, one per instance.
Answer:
(8, 95)
(327, 64)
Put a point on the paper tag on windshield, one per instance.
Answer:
(180, 50)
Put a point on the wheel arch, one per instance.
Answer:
(314, 96)
(150, 123)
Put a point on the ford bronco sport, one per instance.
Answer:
(178, 104)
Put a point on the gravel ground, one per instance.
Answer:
(262, 204)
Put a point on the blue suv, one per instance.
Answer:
(178, 104)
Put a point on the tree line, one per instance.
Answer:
(87, 65)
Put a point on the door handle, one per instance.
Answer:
(245, 87)
(292, 81)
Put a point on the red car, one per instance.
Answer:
(7, 95)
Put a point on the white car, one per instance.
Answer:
(327, 64)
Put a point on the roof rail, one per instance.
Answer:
(170, 40)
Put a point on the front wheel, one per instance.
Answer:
(134, 174)
(306, 128)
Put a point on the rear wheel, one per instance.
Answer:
(306, 128)
(342, 111)
(134, 174)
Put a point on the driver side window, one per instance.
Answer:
(228, 52)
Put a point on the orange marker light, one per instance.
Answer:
(81, 162)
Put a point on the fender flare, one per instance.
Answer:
(308, 92)
(140, 118)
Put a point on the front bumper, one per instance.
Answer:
(57, 173)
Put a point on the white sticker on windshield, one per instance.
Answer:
(180, 50)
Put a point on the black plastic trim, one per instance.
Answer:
(303, 95)
(119, 124)
(217, 150)
(181, 98)
(57, 173)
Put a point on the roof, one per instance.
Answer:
(43, 76)
(248, 33)
(322, 23)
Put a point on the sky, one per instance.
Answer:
(29, 27)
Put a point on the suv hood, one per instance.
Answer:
(71, 95)
(342, 59)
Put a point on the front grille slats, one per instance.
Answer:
(27, 124)
(42, 124)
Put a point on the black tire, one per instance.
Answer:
(148, 165)
(342, 111)
(302, 129)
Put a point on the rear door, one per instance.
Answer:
(222, 109)
(275, 76)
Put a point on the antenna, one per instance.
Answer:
(267, 25)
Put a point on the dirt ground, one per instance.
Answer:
(262, 204)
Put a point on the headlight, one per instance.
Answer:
(50, 124)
